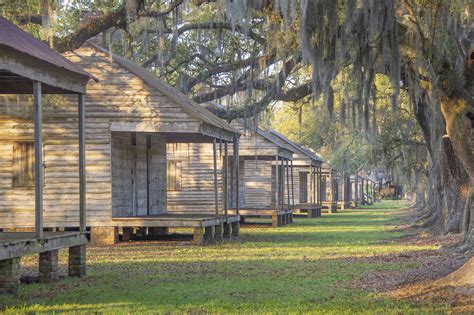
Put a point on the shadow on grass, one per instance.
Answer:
(307, 284)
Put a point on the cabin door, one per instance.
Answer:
(138, 174)
(323, 189)
(303, 187)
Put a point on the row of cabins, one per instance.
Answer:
(147, 158)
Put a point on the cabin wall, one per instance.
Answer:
(118, 98)
(253, 144)
(258, 184)
(196, 194)
(61, 172)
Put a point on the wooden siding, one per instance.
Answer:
(253, 144)
(118, 98)
(197, 178)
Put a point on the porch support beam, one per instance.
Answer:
(38, 122)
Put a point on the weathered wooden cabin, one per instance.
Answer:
(355, 192)
(143, 135)
(31, 138)
(343, 190)
(329, 189)
(133, 119)
(306, 168)
(368, 190)
(264, 168)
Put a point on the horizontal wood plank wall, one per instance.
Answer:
(119, 96)
(196, 194)
(253, 144)
(258, 184)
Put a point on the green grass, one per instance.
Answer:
(311, 266)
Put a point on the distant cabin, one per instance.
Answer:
(306, 171)
(265, 184)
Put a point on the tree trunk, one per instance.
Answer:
(456, 181)
(432, 126)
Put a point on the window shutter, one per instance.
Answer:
(23, 164)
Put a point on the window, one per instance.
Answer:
(23, 164)
(174, 175)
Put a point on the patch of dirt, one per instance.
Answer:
(456, 289)
(440, 276)
(431, 265)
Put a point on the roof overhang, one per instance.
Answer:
(19, 70)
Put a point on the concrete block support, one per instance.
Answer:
(275, 220)
(198, 236)
(77, 261)
(104, 235)
(235, 229)
(227, 230)
(209, 234)
(219, 232)
(49, 266)
(9, 275)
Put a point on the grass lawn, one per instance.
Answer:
(314, 266)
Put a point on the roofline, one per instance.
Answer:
(301, 149)
(193, 108)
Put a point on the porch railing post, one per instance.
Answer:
(38, 121)
(82, 164)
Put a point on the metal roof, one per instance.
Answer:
(14, 37)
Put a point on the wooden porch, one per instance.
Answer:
(309, 210)
(329, 207)
(206, 227)
(14, 245)
(279, 217)
(28, 66)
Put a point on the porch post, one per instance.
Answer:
(282, 184)
(38, 121)
(315, 175)
(237, 173)
(311, 184)
(292, 185)
(82, 164)
(226, 171)
(288, 184)
(277, 190)
(216, 193)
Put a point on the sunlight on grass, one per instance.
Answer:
(312, 266)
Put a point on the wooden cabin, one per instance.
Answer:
(146, 133)
(132, 119)
(264, 180)
(329, 189)
(343, 190)
(37, 158)
(368, 190)
(305, 179)
(355, 191)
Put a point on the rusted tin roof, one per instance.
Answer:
(14, 37)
